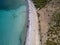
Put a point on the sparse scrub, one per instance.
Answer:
(53, 33)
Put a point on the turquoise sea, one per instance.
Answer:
(13, 26)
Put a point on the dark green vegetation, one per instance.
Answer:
(54, 30)
(40, 3)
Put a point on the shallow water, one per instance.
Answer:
(13, 26)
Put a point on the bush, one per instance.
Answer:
(40, 3)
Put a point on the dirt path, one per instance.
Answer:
(45, 15)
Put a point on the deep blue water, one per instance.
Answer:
(13, 26)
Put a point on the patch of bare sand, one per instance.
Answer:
(45, 15)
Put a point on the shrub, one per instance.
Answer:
(40, 3)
